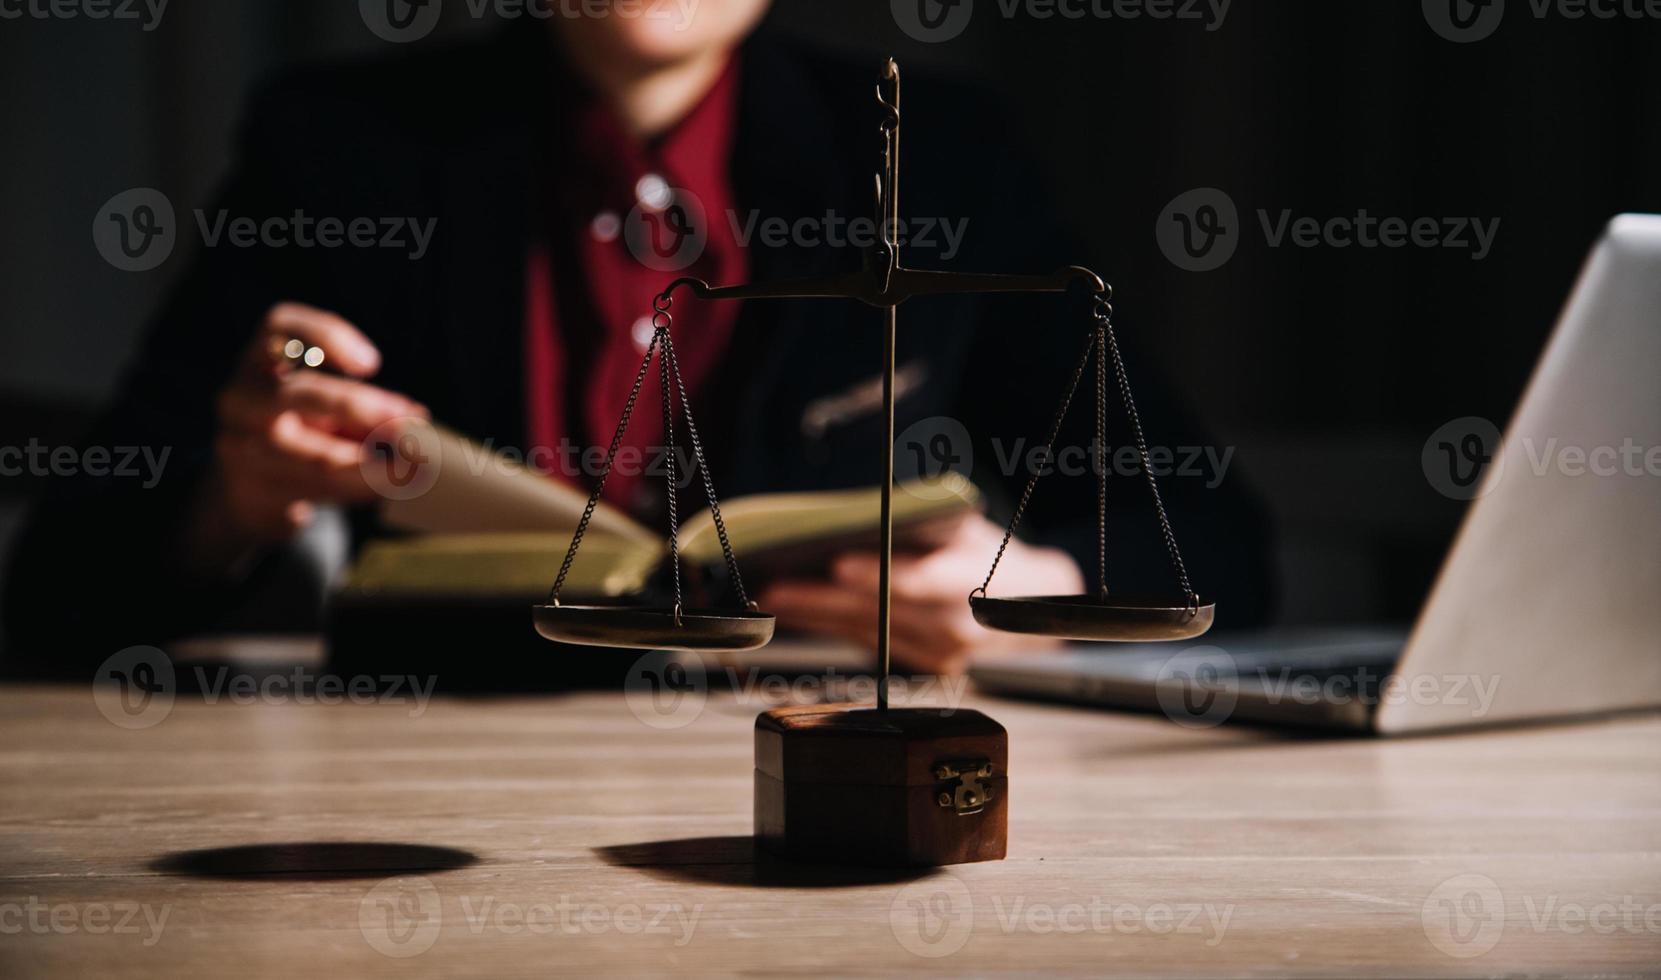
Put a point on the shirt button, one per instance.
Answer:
(606, 226)
(642, 332)
(653, 191)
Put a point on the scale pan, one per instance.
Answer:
(1085, 617)
(654, 628)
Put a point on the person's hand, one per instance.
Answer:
(932, 629)
(291, 440)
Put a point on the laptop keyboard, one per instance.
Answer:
(1271, 655)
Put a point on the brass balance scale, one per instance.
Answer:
(819, 767)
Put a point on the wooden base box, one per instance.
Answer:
(848, 784)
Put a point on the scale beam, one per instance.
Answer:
(903, 284)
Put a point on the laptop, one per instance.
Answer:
(1547, 605)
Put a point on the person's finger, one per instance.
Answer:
(264, 504)
(921, 635)
(348, 407)
(818, 600)
(939, 576)
(344, 346)
(336, 405)
(300, 461)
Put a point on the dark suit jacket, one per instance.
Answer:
(456, 135)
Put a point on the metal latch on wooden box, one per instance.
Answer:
(971, 791)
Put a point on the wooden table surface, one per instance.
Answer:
(563, 835)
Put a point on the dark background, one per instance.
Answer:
(1326, 368)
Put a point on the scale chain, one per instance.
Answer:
(1101, 460)
(668, 365)
(1047, 450)
(605, 473)
(1105, 346)
(661, 334)
(703, 471)
(1104, 320)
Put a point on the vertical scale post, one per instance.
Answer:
(885, 600)
(889, 208)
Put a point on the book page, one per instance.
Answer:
(456, 486)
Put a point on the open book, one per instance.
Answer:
(485, 526)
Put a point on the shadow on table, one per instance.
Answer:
(738, 861)
(313, 860)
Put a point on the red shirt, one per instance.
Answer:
(634, 216)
